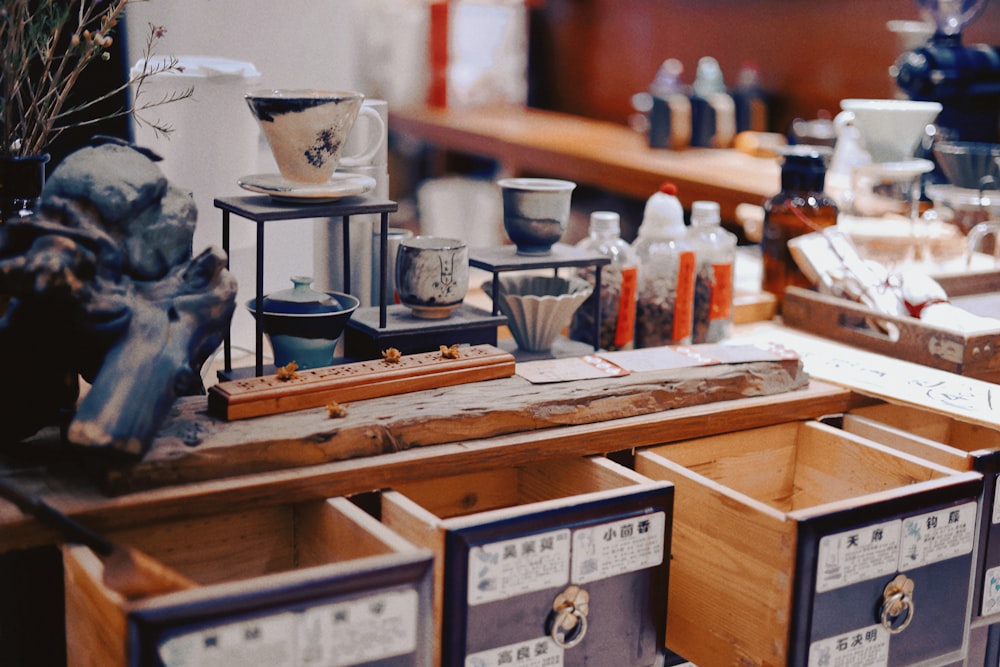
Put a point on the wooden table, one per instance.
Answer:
(598, 153)
(415, 436)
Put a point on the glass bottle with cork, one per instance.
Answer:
(618, 287)
(800, 208)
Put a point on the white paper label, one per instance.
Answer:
(619, 547)
(867, 647)
(502, 570)
(541, 652)
(261, 641)
(359, 631)
(899, 545)
(991, 591)
(857, 555)
(335, 635)
(936, 536)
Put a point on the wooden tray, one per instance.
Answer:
(974, 356)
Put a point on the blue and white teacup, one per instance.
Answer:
(306, 130)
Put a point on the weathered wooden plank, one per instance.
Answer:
(195, 446)
(69, 486)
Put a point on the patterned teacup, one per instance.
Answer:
(306, 130)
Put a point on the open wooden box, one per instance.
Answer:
(786, 538)
(960, 446)
(519, 548)
(278, 584)
(973, 355)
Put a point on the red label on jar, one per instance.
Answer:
(625, 326)
(721, 307)
(684, 306)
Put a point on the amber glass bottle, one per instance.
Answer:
(800, 208)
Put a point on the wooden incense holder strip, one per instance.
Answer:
(267, 395)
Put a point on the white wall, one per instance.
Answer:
(292, 44)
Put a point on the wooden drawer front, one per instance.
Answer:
(958, 445)
(541, 530)
(785, 538)
(321, 582)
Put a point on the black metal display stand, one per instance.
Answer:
(261, 209)
(501, 259)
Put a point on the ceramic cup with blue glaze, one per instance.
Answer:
(432, 275)
(303, 325)
(306, 130)
(535, 212)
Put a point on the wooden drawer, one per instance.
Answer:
(277, 586)
(785, 538)
(960, 446)
(510, 542)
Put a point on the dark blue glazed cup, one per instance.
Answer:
(303, 325)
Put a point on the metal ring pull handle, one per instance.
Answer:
(568, 619)
(897, 609)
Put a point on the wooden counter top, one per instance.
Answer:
(598, 153)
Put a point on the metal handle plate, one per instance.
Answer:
(568, 619)
(897, 608)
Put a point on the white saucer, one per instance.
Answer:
(282, 189)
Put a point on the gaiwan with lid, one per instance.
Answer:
(303, 324)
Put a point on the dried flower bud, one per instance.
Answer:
(287, 372)
(450, 352)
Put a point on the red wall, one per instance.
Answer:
(592, 55)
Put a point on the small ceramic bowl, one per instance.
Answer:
(303, 325)
(965, 163)
(538, 308)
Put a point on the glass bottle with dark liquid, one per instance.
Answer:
(800, 208)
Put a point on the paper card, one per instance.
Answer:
(588, 367)
(660, 358)
(884, 377)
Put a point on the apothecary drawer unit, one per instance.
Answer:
(959, 445)
(559, 562)
(800, 544)
(314, 583)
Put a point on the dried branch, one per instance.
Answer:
(45, 46)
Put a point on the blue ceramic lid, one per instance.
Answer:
(301, 299)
